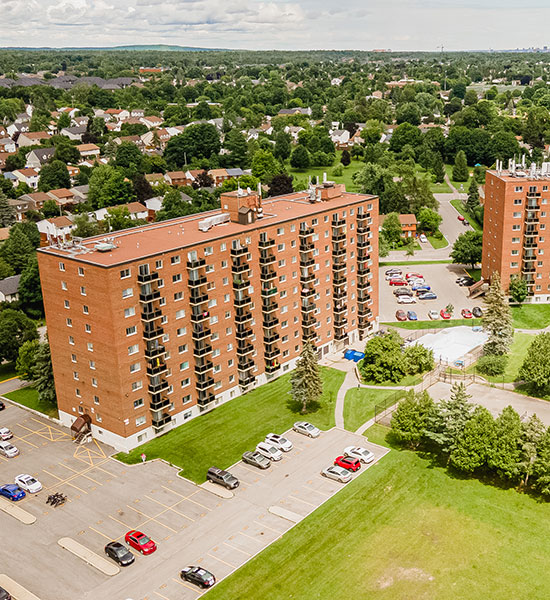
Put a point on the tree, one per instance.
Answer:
(265, 166)
(17, 250)
(128, 156)
(30, 290)
(497, 319)
(541, 466)
(42, 375)
(305, 381)
(280, 184)
(473, 196)
(54, 175)
(418, 359)
(384, 360)
(108, 187)
(118, 218)
(7, 213)
(50, 209)
(383, 247)
(438, 168)
(409, 420)
(66, 152)
(533, 432)
(391, 228)
(173, 205)
(26, 359)
(235, 142)
(84, 227)
(429, 220)
(5, 269)
(283, 147)
(29, 230)
(471, 451)
(405, 135)
(15, 329)
(197, 141)
(408, 112)
(346, 158)
(460, 168)
(505, 451)
(63, 121)
(517, 289)
(142, 188)
(299, 159)
(535, 369)
(467, 249)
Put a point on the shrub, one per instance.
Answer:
(492, 365)
(338, 171)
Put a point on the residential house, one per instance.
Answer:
(408, 225)
(232, 173)
(55, 231)
(151, 121)
(28, 176)
(154, 179)
(62, 196)
(137, 211)
(81, 121)
(192, 175)
(34, 200)
(176, 178)
(156, 138)
(32, 138)
(9, 289)
(8, 145)
(340, 138)
(132, 139)
(20, 207)
(14, 129)
(80, 193)
(37, 158)
(88, 150)
(69, 110)
(336, 81)
(73, 171)
(117, 114)
(285, 112)
(137, 112)
(218, 176)
(74, 133)
(293, 131)
(266, 128)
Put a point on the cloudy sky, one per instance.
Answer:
(280, 24)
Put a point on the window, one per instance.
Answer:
(160, 283)
(81, 271)
(67, 304)
(211, 303)
(516, 227)
(182, 348)
(184, 365)
(88, 328)
(180, 314)
(75, 375)
(224, 266)
(138, 403)
(280, 247)
(137, 385)
(92, 365)
(282, 262)
(518, 188)
(127, 293)
(96, 399)
(178, 296)
(90, 346)
(213, 320)
(71, 340)
(282, 278)
(515, 252)
(61, 266)
(73, 358)
(517, 201)
(176, 278)
(216, 352)
(215, 336)
(125, 273)
(140, 421)
(516, 215)
(134, 367)
(85, 310)
(513, 265)
(181, 331)
(158, 264)
(223, 247)
(208, 250)
(175, 260)
(129, 312)
(69, 322)
(515, 240)
(63, 285)
(280, 230)
(94, 382)
(133, 349)
(82, 290)
(185, 382)
(131, 330)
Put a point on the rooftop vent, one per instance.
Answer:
(105, 246)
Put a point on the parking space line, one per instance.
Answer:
(221, 560)
(22, 439)
(171, 508)
(198, 503)
(152, 518)
(59, 478)
(312, 489)
(73, 476)
(304, 501)
(79, 474)
(165, 598)
(235, 548)
(268, 527)
(186, 585)
(105, 470)
(127, 526)
(173, 492)
(256, 472)
(105, 536)
(250, 537)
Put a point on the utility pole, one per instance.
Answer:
(444, 69)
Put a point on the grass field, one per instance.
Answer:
(458, 184)
(468, 216)
(531, 316)
(406, 529)
(436, 188)
(360, 402)
(237, 426)
(346, 178)
(7, 371)
(474, 274)
(437, 242)
(28, 396)
(439, 324)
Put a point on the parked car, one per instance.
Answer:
(2, 405)
(393, 271)
(269, 451)
(465, 222)
(444, 314)
(119, 553)
(397, 282)
(256, 460)
(427, 296)
(433, 315)
(198, 576)
(348, 462)
(4, 594)
(423, 238)
(5, 434)
(337, 473)
(420, 287)
(460, 218)
(477, 312)
(12, 492)
(140, 542)
(414, 276)
(222, 477)
(466, 313)
(279, 441)
(362, 454)
(400, 315)
(28, 483)
(406, 300)
(306, 428)
(8, 450)
(412, 316)
(402, 291)
(465, 281)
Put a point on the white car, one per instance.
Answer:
(423, 238)
(28, 483)
(306, 428)
(406, 300)
(337, 473)
(8, 450)
(279, 442)
(433, 314)
(269, 451)
(362, 454)
(5, 433)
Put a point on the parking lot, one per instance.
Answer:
(190, 524)
(441, 278)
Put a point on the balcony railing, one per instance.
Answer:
(156, 405)
(204, 367)
(198, 298)
(205, 398)
(269, 243)
(243, 317)
(267, 274)
(151, 315)
(308, 307)
(152, 333)
(240, 267)
(204, 383)
(268, 307)
(156, 369)
(267, 292)
(239, 250)
(243, 301)
(243, 333)
(245, 363)
(272, 353)
(307, 278)
(307, 247)
(244, 348)
(156, 388)
(308, 320)
(155, 351)
(339, 266)
(305, 231)
(197, 281)
(149, 296)
(199, 333)
(267, 260)
(307, 292)
(246, 381)
(202, 350)
(270, 321)
(270, 338)
(199, 317)
(196, 263)
(147, 277)
(161, 421)
(306, 262)
(240, 283)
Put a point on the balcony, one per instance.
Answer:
(160, 422)
(364, 312)
(271, 353)
(246, 381)
(527, 245)
(363, 284)
(244, 348)
(338, 236)
(338, 280)
(340, 335)
(339, 265)
(270, 321)
(267, 259)
(340, 293)
(147, 277)
(199, 333)
(268, 307)
(272, 367)
(205, 398)
(204, 383)
(307, 278)
(203, 367)
(528, 268)
(533, 194)
(532, 206)
(362, 243)
(196, 263)
(340, 322)
(245, 364)
(156, 405)
(309, 320)
(242, 301)
(339, 309)
(305, 231)
(307, 247)
(151, 315)
(197, 281)
(238, 250)
(244, 332)
(152, 332)
(149, 296)
(363, 256)
(199, 317)
(308, 307)
(306, 262)
(158, 387)
(265, 244)
(338, 222)
(362, 271)
(268, 292)
(240, 268)
(363, 217)
(307, 292)
(156, 368)
(195, 299)
(362, 229)
(308, 333)
(271, 338)
(338, 252)
(531, 218)
(267, 274)
(154, 351)
(243, 316)
(531, 233)
(239, 283)
(202, 350)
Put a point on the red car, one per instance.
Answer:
(466, 314)
(444, 314)
(400, 315)
(414, 276)
(460, 218)
(349, 463)
(398, 282)
(140, 542)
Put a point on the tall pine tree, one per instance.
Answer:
(306, 383)
(473, 196)
(7, 214)
(497, 319)
(460, 168)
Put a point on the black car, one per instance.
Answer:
(198, 576)
(119, 553)
(2, 407)
(4, 595)
(222, 478)
(477, 312)
(256, 460)
(465, 281)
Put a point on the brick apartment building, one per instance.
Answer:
(516, 241)
(154, 325)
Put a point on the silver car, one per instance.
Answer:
(5, 433)
(337, 473)
(279, 441)
(362, 454)
(8, 450)
(306, 428)
(256, 460)
(269, 451)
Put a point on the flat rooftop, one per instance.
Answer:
(166, 236)
(521, 175)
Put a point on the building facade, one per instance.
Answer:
(154, 325)
(516, 242)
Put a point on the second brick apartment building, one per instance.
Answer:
(153, 325)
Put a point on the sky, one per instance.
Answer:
(278, 24)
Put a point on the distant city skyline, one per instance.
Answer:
(422, 25)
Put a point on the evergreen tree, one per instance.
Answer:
(282, 147)
(280, 184)
(541, 466)
(305, 380)
(235, 142)
(533, 432)
(7, 213)
(54, 175)
(5, 269)
(346, 158)
(299, 159)
(473, 196)
(17, 250)
(42, 375)
(460, 168)
(497, 319)
(505, 452)
(535, 369)
(471, 450)
(409, 420)
(30, 290)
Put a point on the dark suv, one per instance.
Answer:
(222, 477)
(4, 595)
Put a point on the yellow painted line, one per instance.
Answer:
(173, 492)
(235, 548)
(127, 526)
(256, 472)
(105, 470)
(171, 508)
(304, 501)
(198, 503)
(221, 560)
(185, 584)
(60, 479)
(22, 439)
(151, 518)
(267, 527)
(165, 598)
(74, 476)
(73, 485)
(10, 379)
(50, 427)
(249, 536)
(79, 473)
(105, 536)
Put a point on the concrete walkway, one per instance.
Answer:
(350, 381)
(10, 385)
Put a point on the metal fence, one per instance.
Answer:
(383, 410)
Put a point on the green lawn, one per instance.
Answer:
(415, 262)
(360, 402)
(468, 216)
(457, 184)
(28, 396)
(7, 371)
(474, 273)
(531, 316)
(437, 242)
(346, 178)
(406, 529)
(221, 436)
(439, 324)
(436, 188)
